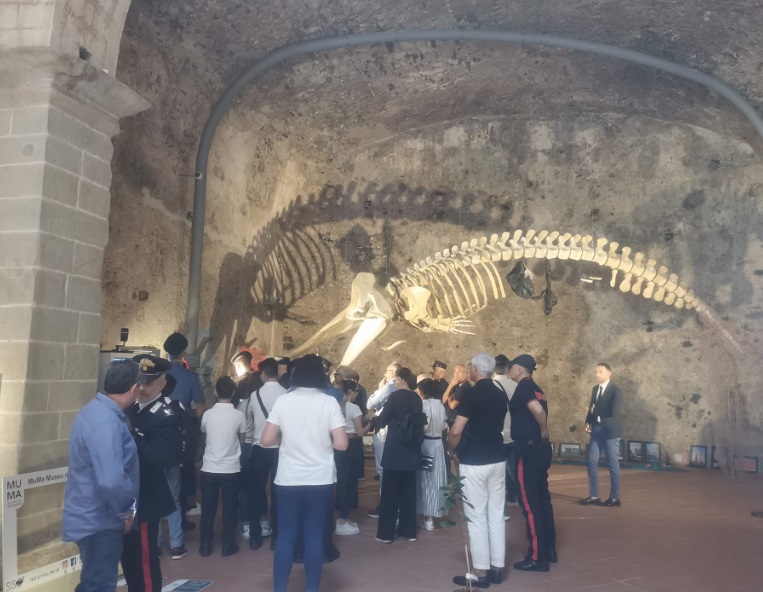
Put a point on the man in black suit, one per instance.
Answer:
(603, 423)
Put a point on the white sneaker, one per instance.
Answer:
(245, 530)
(346, 529)
(429, 524)
(195, 511)
(355, 524)
(266, 530)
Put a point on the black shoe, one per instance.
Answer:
(205, 550)
(552, 556)
(255, 543)
(610, 503)
(229, 550)
(187, 525)
(330, 554)
(480, 582)
(531, 565)
(495, 576)
(374, 513)
(590, 501)
(179, 552)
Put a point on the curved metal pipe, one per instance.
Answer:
(306, 47)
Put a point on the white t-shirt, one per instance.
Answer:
(222, 424)
(436, 419)
(507, 385)
(243, 407)
(351, 411)
(269, 392)
(306, 417)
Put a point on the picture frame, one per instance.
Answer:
(652, 452)
(570, 450)
(715, 461)
(747, 464)
(636, 453)
(621, 450)
(698, 456)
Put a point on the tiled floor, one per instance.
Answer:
(677, 532)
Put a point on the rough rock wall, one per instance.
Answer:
(400, 151)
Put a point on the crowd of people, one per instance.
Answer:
(283, 454)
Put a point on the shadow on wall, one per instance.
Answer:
(638, 422)
(290, 258)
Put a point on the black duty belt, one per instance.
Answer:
(432, 437)
(535, 442)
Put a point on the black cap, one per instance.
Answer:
(175, 344)
(439, 364)
(241, 354)
(283, 361)
(524, 360)
(151, 367)
(501, 360)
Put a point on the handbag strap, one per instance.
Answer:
(259, 400)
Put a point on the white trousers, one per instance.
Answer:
(485, 490)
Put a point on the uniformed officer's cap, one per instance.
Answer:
(439, 364)
(243, 355)
(524, 360)
(151, 367)
(175, 344)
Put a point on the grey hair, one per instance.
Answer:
(484, 364)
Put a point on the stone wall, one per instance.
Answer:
(55, 152)
(684, 195)
(90, 29)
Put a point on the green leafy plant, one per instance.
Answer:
(454, 493)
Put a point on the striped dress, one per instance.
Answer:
(429, 498)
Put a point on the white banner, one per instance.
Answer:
(13, 498)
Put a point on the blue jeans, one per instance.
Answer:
(174, 520)
(611, 446)
(302, 509)
(100, 553)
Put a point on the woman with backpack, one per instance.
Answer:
(347, 460)
(401, 459)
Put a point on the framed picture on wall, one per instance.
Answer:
(748, 464)
(621, 450)
(635, 451)
(570, 450)
(698, 456)
(653, 452)
(715, 461)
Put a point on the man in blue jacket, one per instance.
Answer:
(103, 483)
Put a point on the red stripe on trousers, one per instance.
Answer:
(145, 561)
(530, 517)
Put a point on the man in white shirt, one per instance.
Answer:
(263, 461)
(508, 386)
(225, 427)
(376, 403)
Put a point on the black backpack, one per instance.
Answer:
(411, 428)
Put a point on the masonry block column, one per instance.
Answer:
(57, 117)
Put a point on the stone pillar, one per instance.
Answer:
(57, 117)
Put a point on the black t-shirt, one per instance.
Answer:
(523, 424)
(458, 393)
(484, 405)
(440, 386)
